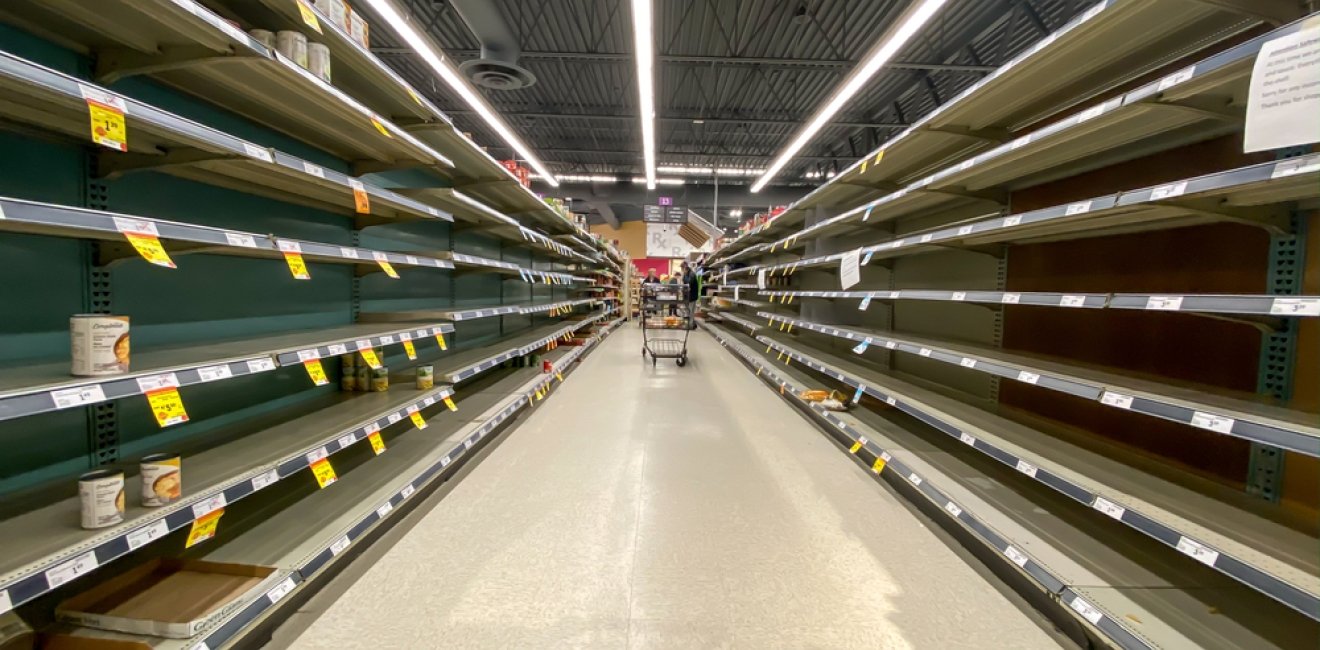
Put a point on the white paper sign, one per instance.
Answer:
(1285, 93)
(850, 270)
(760, 279)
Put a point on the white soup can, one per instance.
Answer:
(162, 479)
(102, 495)
(99, 344)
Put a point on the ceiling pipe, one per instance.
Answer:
(497, 68)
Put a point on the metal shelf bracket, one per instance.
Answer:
(114, 63)
(114, 164)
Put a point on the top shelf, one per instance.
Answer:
(1070, 66)
(187, 46)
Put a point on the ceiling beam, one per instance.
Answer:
(833, 64)
(706, 120)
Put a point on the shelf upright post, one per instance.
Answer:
(102, 417)
(1278, 350)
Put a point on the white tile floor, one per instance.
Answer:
(669, 508)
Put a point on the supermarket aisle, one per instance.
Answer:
(678, 508)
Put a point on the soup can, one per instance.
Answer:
(162, 479)
(348, 380)
(264, 36)
(99, 344)
(102, 495)
(425, 377)
(318, 61)
(349, 360)
(363, 378)
(293, 45)
(380, 379)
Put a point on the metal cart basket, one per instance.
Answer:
(665, 312)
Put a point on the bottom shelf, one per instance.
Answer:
(1121, 586)
(305, 529)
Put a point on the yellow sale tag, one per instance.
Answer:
(417, 419)
(369, 355)
(767, 349)
(758, 371)
(167, 406)
(790, 328)
(108, 126)
(772, 297)
(790, 299)
(855, 448)
(782, 323)
(325, 474)
(879, 155)
(316, 372)
(380, 127)
(149, 247)
(297, 266)
(309, 16)
(780, 357)
(440, 338)
(879, 465)
(412, 351)
(559, 376)
(377, 445)
(787, 358)
(539, 395)
(204, 528)
(545, 279)
(387, 267)
(864, 163)
(449, 403)
(414, 96)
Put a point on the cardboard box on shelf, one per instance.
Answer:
(167, 597)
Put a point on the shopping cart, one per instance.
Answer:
(665, 312)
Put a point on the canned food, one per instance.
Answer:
(162, 479)
(264, 36)
(349, 360)
(348, 380)
(293, 45)
(425, 377)
(102, 495)
(318, 61)
(363, 375)
(380, 379)
(99, 344)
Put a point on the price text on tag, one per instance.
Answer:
(107, 111)
(167, 406)
(325, 474)
(377, 445)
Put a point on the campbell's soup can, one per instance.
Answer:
(102, 495)
(99, 344)
(162, 479)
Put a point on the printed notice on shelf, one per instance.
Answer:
(850, 270)
(1285, 93)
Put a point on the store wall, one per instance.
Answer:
(631, 236)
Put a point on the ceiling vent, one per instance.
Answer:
(498, 67)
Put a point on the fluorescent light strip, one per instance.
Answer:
(638, 180)
(396, 20)
(642, 36)
(907, 26)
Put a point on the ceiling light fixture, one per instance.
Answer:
(641, 15)
(638, 180)
(400, 24)
(903, 30)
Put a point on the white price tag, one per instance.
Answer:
(349, 253)
(215, 373)
(71, 397)
(1028, 377)
(339, 545)
(371, 428)
(1212, 422)
(952, 508)
(384, 510)
(1026, 468)
(1081, 207)
(280, 591)
(260, 365)
(362, 344)
(967, 438)
(288, 246)
(67, 571)
(1014, 220)
(891, 401)
(337, 349)
(967, 362)
(1177, 77)
(1295, 307)
(958, 296)
(157, 382)
(1090, 113)
(265, 480)
(1168, 191)
(147, 534)
(308, 355)
(136, 226)
(241, 240)
(314, 170)
(407, 491)
(317, 454)
(1164, 303)
(411, 259)
(890, 345)
(209, 505)
(916, 480)
(1015, 556)
(1118, 400)
(260, 153)
(1294, 166)
(925, 238)
(1011, 298)
(467, 444)
(387, 339)
(1198, 551)
(6, 603)
(346, 440)
(965, 230)
(925, 352)
(1109, 507)
(393, 417)
(1072, 301)
(1086, 610)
